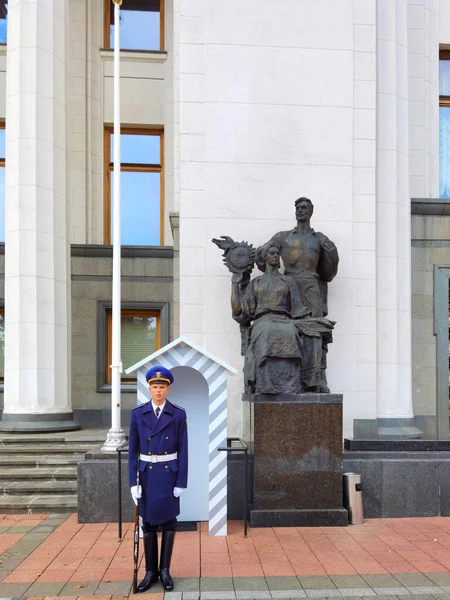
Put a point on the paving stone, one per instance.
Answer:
(172, 596)
(364, 591)
(217, 584)
(217, 595)
(381, 581)
(45, 528)
(413, 579)
(327, 593)
(112, 588)
(283, 583)
(13, 590)
(252, 594)
(187, 584)
(433, 589)
(445, 588)
(394, 591)
(319, 582)
(71, 589)
(298, 593)
(348, 581)
(443, 596)
(35, 536)
(245, 584)
(439, 578)
(21, 529)
(4, 528)
(3, 573)
(191, 595)
(43, 589)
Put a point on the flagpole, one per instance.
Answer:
(116, 435)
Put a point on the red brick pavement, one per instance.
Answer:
(84, 553)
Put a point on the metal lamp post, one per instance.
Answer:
(116, 435)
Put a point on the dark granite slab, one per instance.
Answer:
(299, 518)
(297, 460)
(397, 445)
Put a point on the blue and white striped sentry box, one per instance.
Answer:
(212, 426)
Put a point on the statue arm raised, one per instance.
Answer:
(236, 303)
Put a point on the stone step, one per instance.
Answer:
(38, 487)
(45, 449)
(30, 504)
(41, 460)
(32, 473)
(90, 435)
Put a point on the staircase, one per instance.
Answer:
(38, 472)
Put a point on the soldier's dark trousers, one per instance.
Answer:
(151, 555)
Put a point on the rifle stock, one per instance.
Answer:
(136, 549)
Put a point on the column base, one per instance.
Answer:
(398, 429)
(39, 423)
(386, 429)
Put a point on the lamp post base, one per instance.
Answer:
(114, 439)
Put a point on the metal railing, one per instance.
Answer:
(122, 448)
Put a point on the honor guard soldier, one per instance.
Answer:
(158, 469)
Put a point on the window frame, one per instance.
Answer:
(444, 55)
(103, 306)
(107, 20)
(128, 313)
(2, 313)
(108, 168)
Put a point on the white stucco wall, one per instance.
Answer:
(272, 109)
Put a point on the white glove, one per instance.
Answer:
(178, 491)
(136, 493)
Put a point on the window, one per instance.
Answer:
(3, 21)
(2, 344)
(142, 187)
(444, 124)
(141, 25)
(140, 336)
(2, 182)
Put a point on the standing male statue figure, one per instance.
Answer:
(312, 260)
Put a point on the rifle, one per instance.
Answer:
(136, 548)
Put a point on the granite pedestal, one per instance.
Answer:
(297, 444)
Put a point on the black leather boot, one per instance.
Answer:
(151, 561)
(168, 538)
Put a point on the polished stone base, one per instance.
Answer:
(403, 482)
(38, 423)
(299, 518)
(297, 447)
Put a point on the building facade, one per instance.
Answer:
(230, 111)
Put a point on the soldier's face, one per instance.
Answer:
(158, 392)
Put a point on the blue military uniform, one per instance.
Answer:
(152, 436)
(158, 462)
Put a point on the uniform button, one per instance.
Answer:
(149, 438)
(150, 467)
(165, 452)
(167, 467)
(149, 453)
(167, 437)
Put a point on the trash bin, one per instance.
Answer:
(353, 498)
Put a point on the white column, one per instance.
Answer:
(394, 401)
(37, 268)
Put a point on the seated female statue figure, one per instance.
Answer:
(271, 302)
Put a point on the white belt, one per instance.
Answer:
(155, 458)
